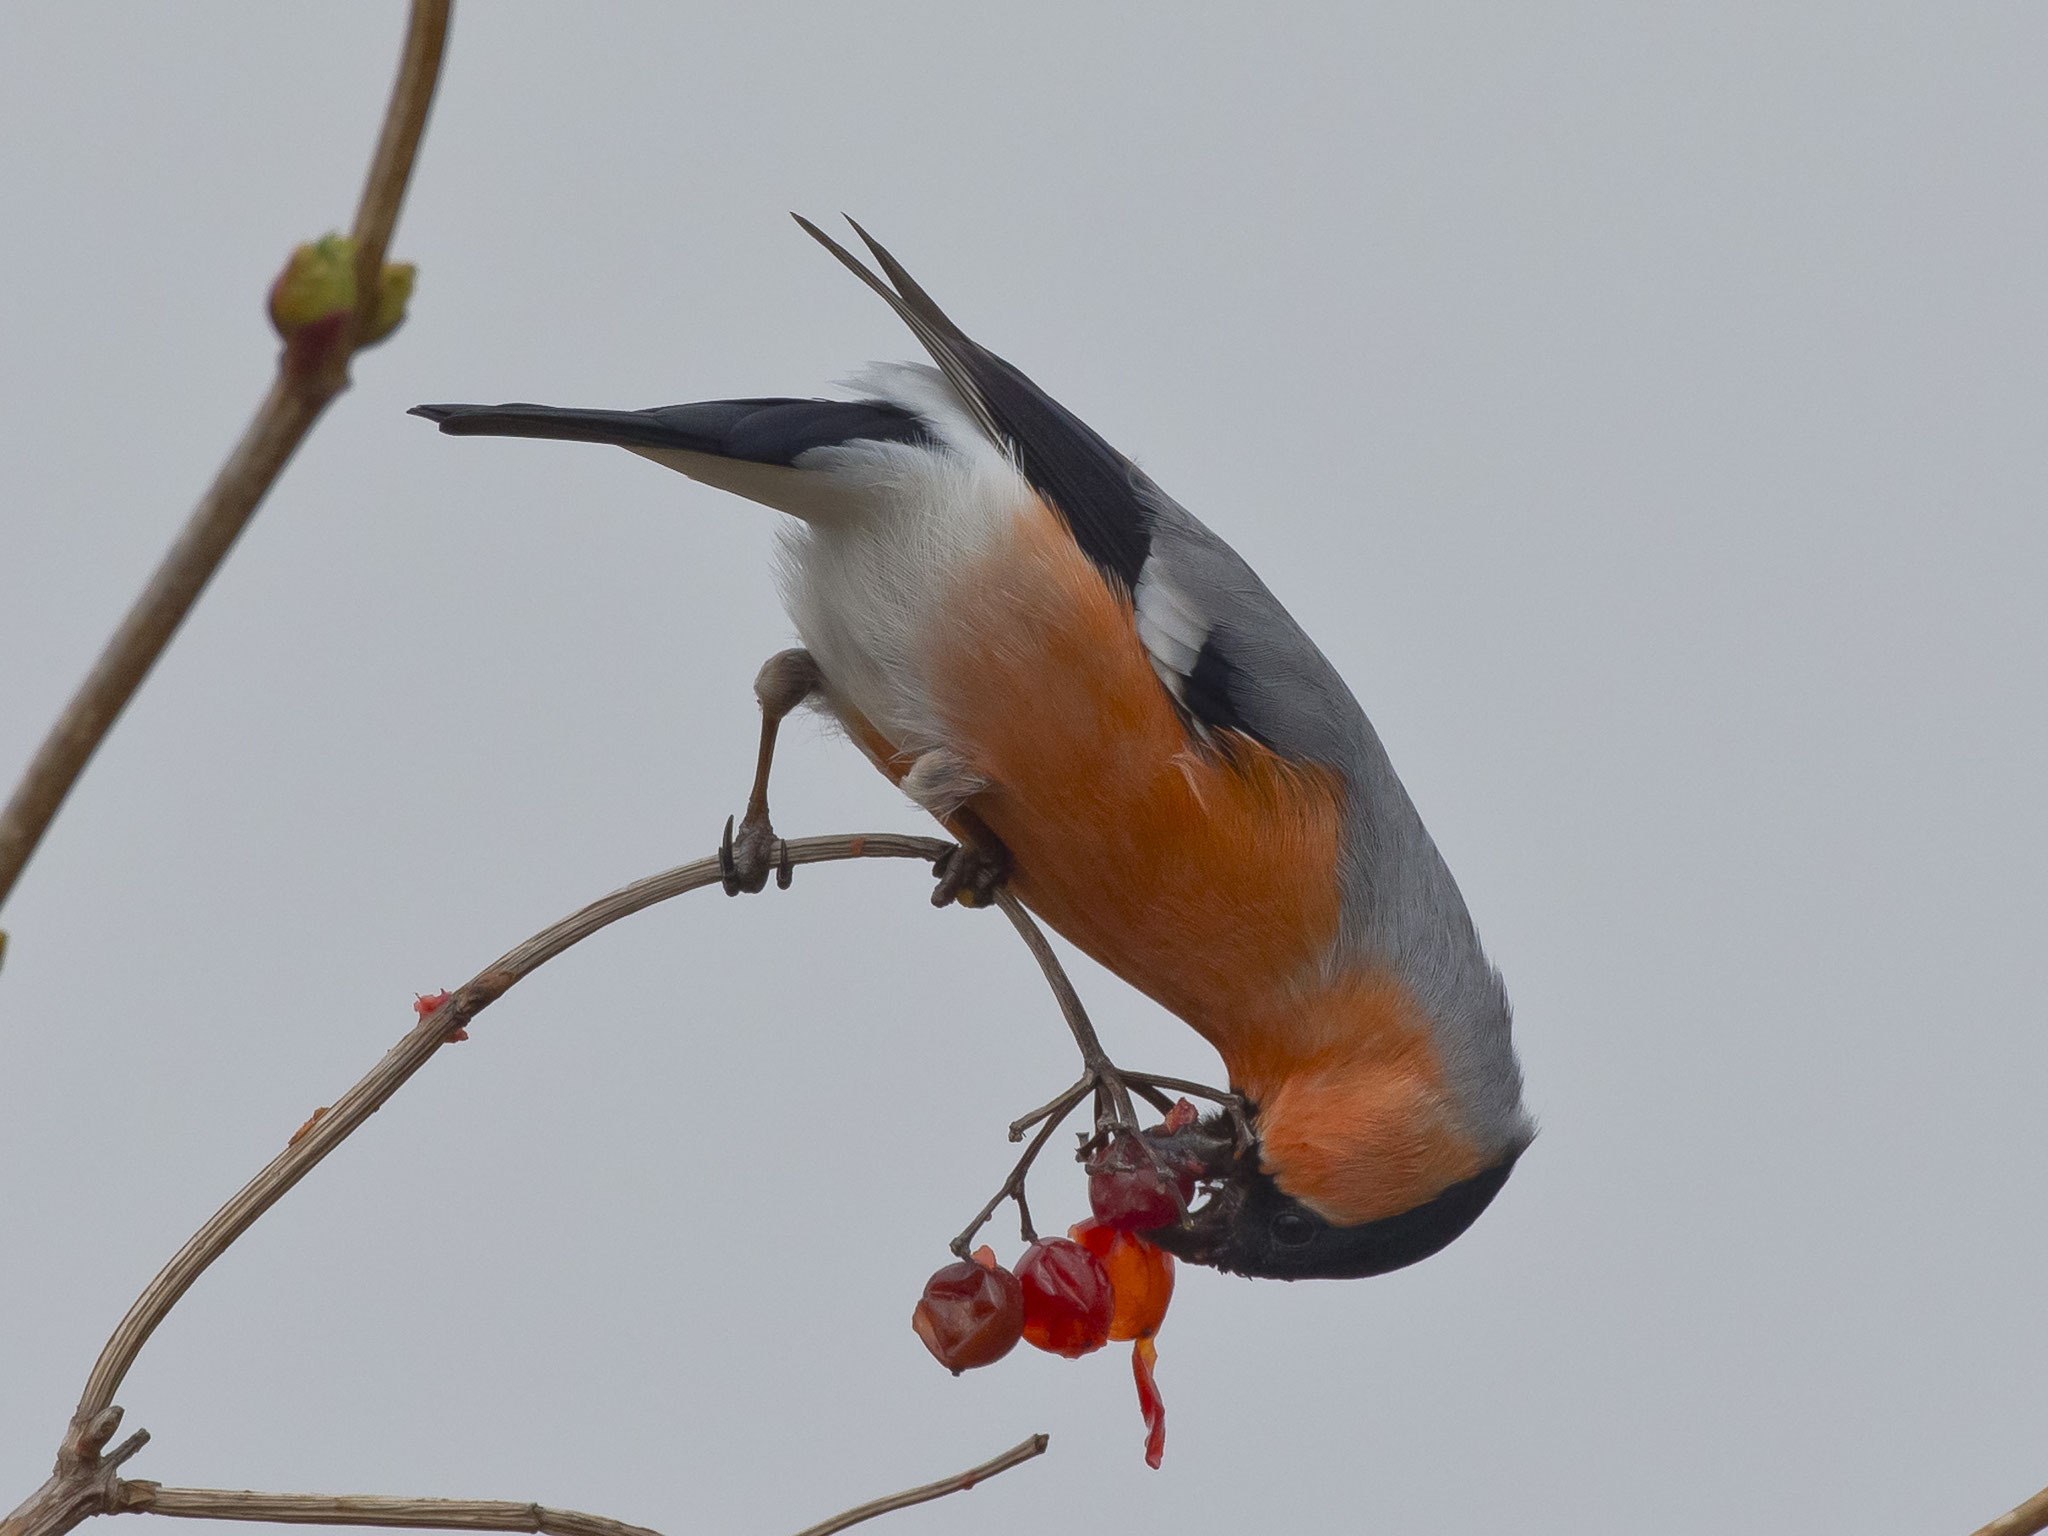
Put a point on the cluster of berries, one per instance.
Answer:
(1071, 1295)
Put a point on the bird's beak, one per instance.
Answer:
(1205, 1152)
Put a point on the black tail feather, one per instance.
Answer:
(757, 431)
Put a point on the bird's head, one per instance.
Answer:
(1250, 1225)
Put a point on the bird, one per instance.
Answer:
(1120, 722)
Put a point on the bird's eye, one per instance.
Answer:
(1291, 1229)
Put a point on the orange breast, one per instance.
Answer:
(1206, 880)
(1205, 877)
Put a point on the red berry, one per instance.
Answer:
(1140, 1276)
(971, 1313)
(1068, 1302)
(1127, 1188)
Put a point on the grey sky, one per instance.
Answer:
(1642, 406)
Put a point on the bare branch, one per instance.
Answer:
(1111, 1085)
(1013, 1186)
(287, 414)
(1108, 1081)
(488, 1514)
(960, 1483)
(326, 1132)
(281, 422)
(412, 94)
(2028, 1518)
(84, 1483)
(368, 1509)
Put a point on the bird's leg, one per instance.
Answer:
(974, 869)
(788, 678)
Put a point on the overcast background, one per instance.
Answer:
(1643, 407)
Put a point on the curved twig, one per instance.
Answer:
(85, 1483)
(326, 1132)
(2024, 1520)
(398, 144)
(1110, 1093)
(960, 1483)
(1111, 1085)
(1013, 1186)
(1156, 1087)
(491, 1514)
(288, 412)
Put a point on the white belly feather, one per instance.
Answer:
(885, 533)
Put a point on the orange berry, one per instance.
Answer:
(1140, 1277)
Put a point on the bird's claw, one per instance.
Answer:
(744, 861)
(971, 874)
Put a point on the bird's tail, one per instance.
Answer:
(754, 448)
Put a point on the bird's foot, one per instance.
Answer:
(745, 860)
(971, 873)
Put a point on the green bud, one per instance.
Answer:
(317, 284)
(394, 290)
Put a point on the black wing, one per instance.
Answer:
(1228, 654)
(1092, 487)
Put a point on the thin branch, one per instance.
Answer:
(1059, 1107)
(1109, 1081)
(390, 173)
(281, 422)
(324, 1132)
(328, 1131)
(490, 1514)
(125, 1450)
(368, 1509)
(294, 403)
(960, 1483)
(1013, 1186)
(2028, 1518)
(1182, 1085)
(1232, 1104)
(85, 1482)
(1112, 1084)
(1148, 1093)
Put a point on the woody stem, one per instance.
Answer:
(1112, 1097)
(1013, 1186)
